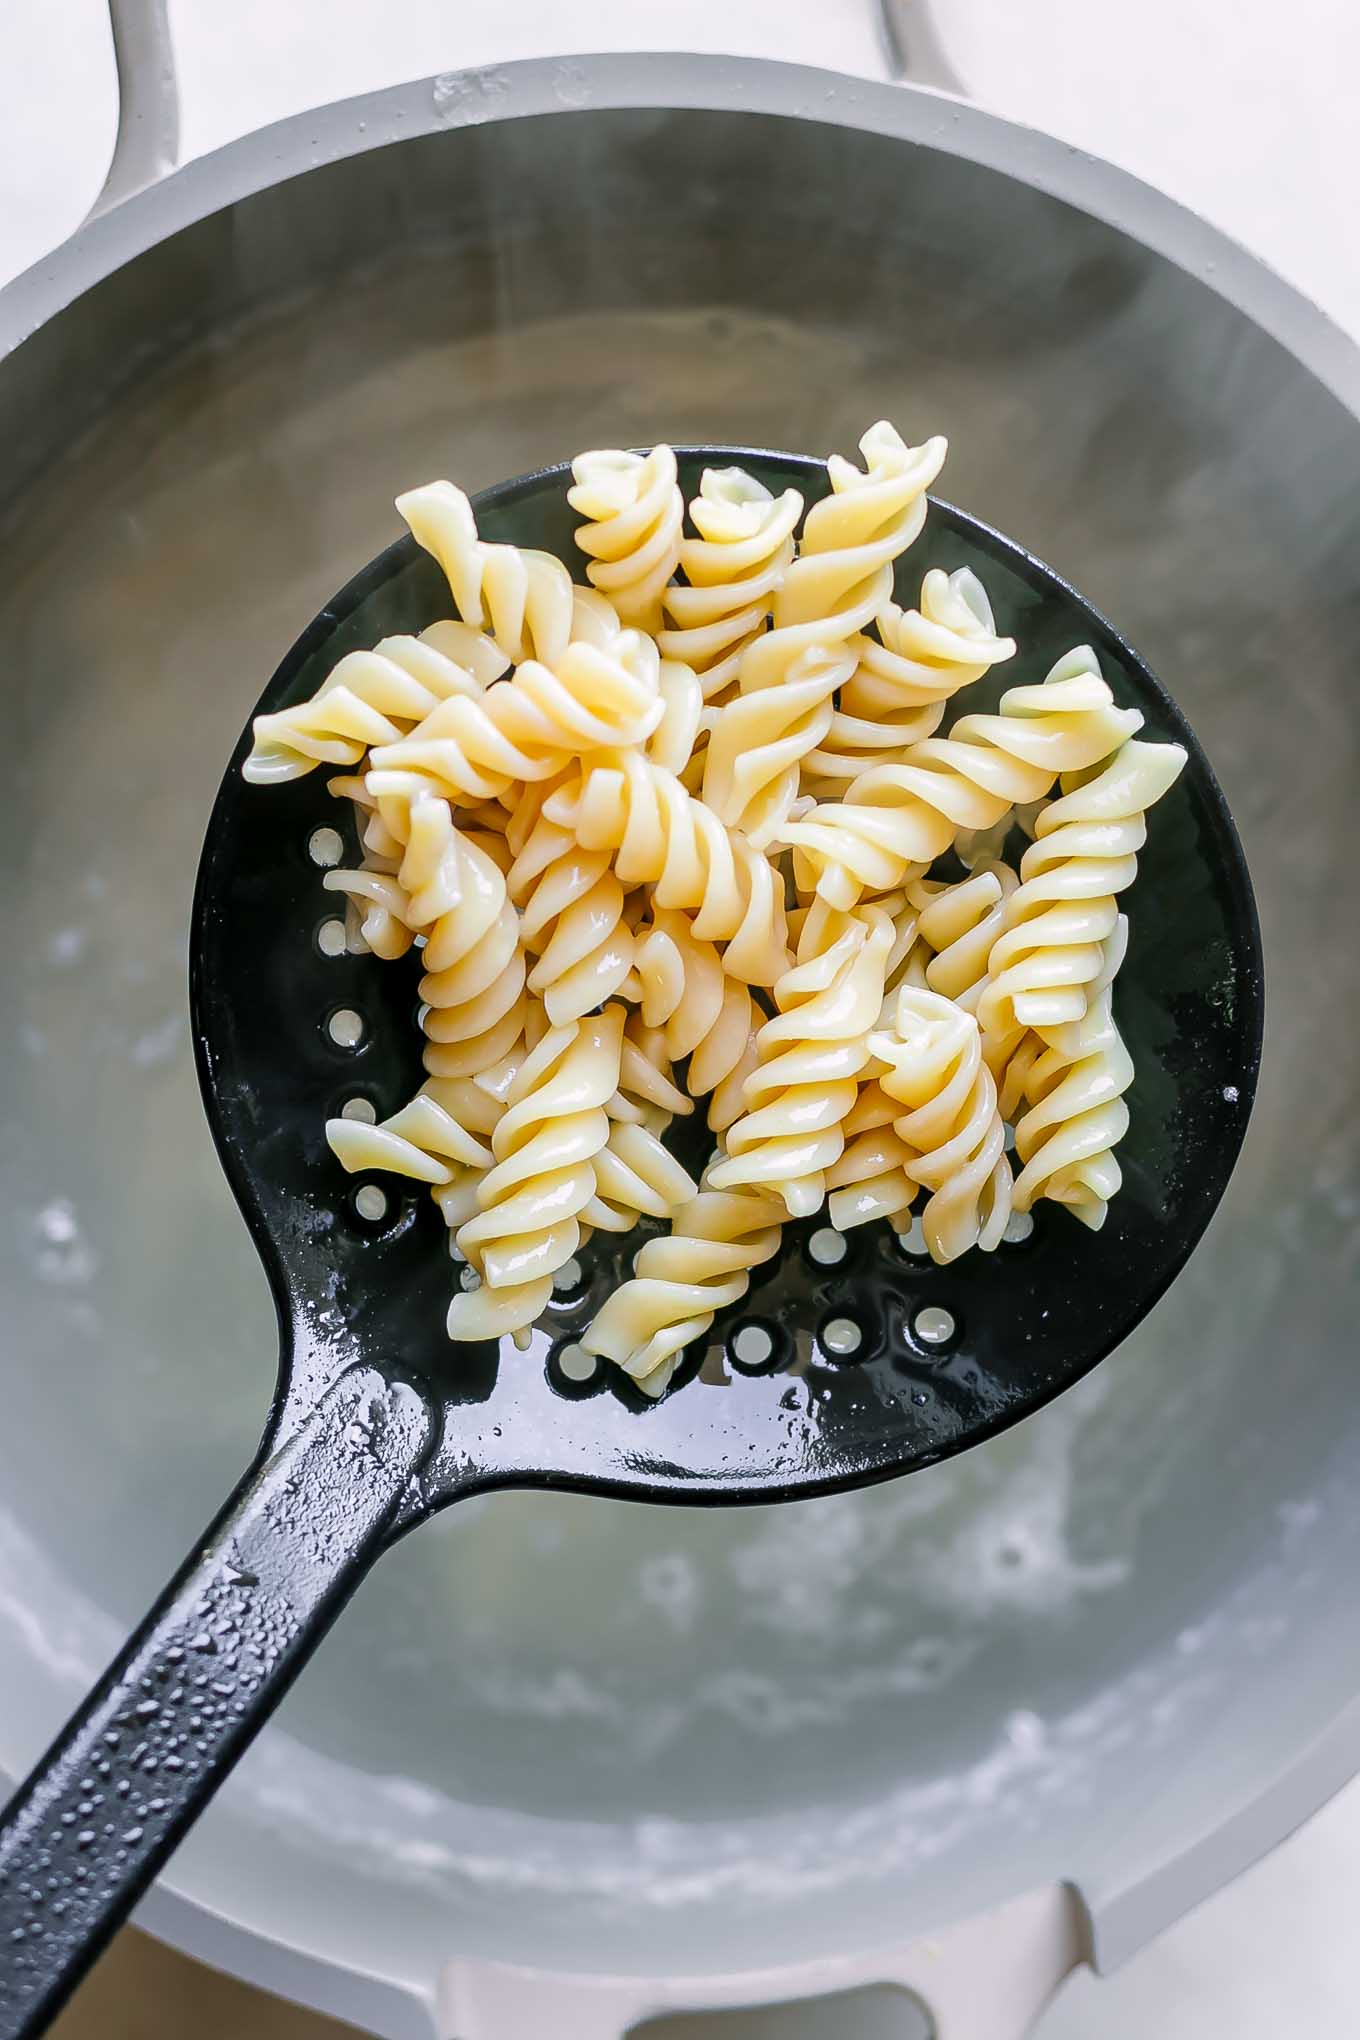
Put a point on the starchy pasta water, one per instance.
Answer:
(670, 844)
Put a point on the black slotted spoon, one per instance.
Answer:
(378, 1421)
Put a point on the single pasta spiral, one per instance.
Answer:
(934, 1068)
(810, 1055)
(659, 834)
(376, 910)
(960, 922)
(1084, 854)
(897, 693)
(871, 1179)
(525, 597)
(635, 1174)
(702, 1012)
(896, 819)
(474, 960)
(572, 918)
(426, 1139)
(545, 1144)
(373, 698)
(634, 514)
(1078, 1114)
(681, 1282)
(528, 726)
(732, 571)
(842, 578)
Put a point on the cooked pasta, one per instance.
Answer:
(662, 835)
(702, 1011)
(732, 570)
(634, 514)
(373, 698)
(842, 578)
(670, 842)
(571, 907)
(871, 1179)
(524, 598)
(681, 1282)
(896, 819)
(527, 1223)
(1085, 852)
(809, 1058)
(950, 1125)
(897, 693)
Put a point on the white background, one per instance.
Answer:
(1244, 111)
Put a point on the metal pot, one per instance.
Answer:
(1031, 1704)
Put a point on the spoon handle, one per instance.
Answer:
(134, 1767)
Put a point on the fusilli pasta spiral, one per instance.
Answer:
(871, 1180)
(897, 693)
(634, 515)
(528, 726)
(934, 1067)
(1084, 854)
(529, 1203)
(810, 1057)
(525, 597)
(703, 1012)
(896, 819)
(681, 1282)
(373, 698)
(474, 958)
(732, 570)
(842, 578)
(1078, 1114)
(660, 834)
(572, 917)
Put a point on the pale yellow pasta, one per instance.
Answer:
(473, 985)
(545, 1143)
(373, 698)
(897, 693)
(634, 514)
(680, 1282)
(896, 819)
(571, 907)
(658, 833)
(524, 598)
(605, 855)
(732, 571)
(1078, 1115)
(703, 1013)
(948, 1119)
(870, 1180)
(425, 1140)
(525, 728)
(376, 910)
(842, 578)
(1085, 853)
(810, 1056)
(960, 922)
(672, 741)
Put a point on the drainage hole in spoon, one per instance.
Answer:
(574, 1372)
(841, 1339)
(330, 937)
(827, 1247)
(371, 1203)
(753, 1348)
(326, 847)
(346, 1027)
(934, 1326)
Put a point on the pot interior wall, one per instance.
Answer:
(581, 1731)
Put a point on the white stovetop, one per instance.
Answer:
(1244, 112)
